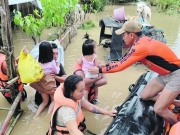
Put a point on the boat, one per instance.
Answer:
(136, 116)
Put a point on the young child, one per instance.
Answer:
(88, 60)
(48, 81)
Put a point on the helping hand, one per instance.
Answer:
(93, 70)
(112, 113)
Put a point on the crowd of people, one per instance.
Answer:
(66, 100)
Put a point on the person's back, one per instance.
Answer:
(88, 61)
(157, 55)
(50, 67)
(48, 82)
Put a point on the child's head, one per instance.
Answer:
(89, 46)
(45, 52)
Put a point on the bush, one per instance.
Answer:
(93, 6)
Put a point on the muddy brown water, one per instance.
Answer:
(110, 95)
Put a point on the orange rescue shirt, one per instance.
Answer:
(156, 55)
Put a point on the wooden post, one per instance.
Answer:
(8, 48)
(10, 114)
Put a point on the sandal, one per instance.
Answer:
(176, 110)
(94, 102)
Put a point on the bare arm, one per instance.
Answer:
(73, 128)
(79, 61)
(61, 79)
(97, 110)
(97, 62)
(38, 88)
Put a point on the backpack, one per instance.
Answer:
(156, 34)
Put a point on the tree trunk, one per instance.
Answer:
(8, 48)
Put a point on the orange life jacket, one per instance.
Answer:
(168, 128)
(4, 78)
(175, 129)
(91, 90)
(60, 101)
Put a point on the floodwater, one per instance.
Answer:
(110, 95)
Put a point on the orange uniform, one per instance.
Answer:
(154, 54)
(4, 79)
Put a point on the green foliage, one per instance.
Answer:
(87, 26)
(93, 6)
(52, 14)
(168, 6)
(31, 25)
(54, 11)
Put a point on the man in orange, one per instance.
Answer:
(4, 79)
(156, 56)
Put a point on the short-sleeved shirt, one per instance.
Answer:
(86, 64)
(50, 67)
(65, 114)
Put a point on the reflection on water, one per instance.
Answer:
(20, 39)
(110, 95)
(176, 46)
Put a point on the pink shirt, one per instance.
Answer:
(86, 64)
(50, 68)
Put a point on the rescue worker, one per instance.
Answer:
(67, 117)
(159, 58)
(4, 80)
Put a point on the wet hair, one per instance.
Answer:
(54, 46)
(45, 52)
(88, 46)
(70, 84)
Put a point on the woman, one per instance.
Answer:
(67, 117)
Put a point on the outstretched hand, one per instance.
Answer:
(112, 113)
(93, 70)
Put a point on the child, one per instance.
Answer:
(48, 81)
(88, 60)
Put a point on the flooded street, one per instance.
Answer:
(110, 95)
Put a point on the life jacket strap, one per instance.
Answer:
(91, 92)
(82, 126)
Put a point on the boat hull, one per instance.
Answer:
(136, 116)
